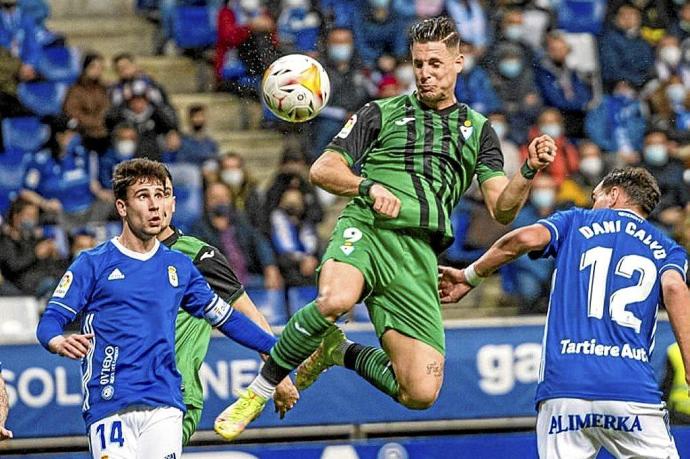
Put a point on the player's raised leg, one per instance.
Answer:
(340, 287)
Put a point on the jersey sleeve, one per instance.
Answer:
(490, 156)
(222, 279)
(677, 260)
(200, 301)
(558, 225)
(72, 293)
(360, 131)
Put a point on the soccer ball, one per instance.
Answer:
(295, 88)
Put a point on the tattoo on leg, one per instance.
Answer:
(435, 369)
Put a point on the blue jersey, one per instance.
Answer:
(129, 301)
(605, 295)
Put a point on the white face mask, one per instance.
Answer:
(295, 4)
(470, 62)
(551, 129)
(670, 55)
(232, 177)
(405, 75)
(591, 166)
(500, 128)
(676, 93)
(250, 5)
(543, 198)
(125, 148)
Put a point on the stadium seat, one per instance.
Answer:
(25, 133)
(194, 27)
(300, 296)
(43, 98)
(188, 194)
(18, 319)
(13, 163)
(271, 303)
(60, 63)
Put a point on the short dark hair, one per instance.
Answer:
(440, 28)
(120, 56)
(16, 207)
(196, 108)
(129, 172)
(638, 183)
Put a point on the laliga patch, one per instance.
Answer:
(345, 131)
(172, 276)
(64, 285)
(466, 129)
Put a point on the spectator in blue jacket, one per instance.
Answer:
(124, 144)
(18, 33)
(247, 249)
(379, 30)
(196, 146)
(295, 240)
(473, 86)
(681, 27)
(60, 179)
(299, 27)
(617, 124)
(471, 19)
(623, 54)
(560, 86)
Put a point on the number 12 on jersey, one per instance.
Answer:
(599, 259)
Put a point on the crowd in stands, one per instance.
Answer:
(609, 81)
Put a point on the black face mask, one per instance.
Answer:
(198, 127)
(221, 210)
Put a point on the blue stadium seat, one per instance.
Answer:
(25, 133)
(194, 27)
(271, 303)
(43, 98)
(60, 63)
(189, 195)
(13, 163)
(300, 296)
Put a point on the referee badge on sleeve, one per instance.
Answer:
(172, 276)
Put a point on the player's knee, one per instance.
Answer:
(418, 397)
(334, 302)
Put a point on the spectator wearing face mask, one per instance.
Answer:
(560, 86)
(473, 86)
(299, 27)
(577, 188)
(128, 72)
(348, 91)
(681, 27)
(379, 29)
(511, 31)
(668, 58)
(124, 142)
(513, 80)
(655, 17)
(618, 123)
(244, 190)
(670, 107)
(668, 171)
(623, 54)
(294, 239)
(532, 277)
(550, 122)
(88, 102)
(248, 251)
(80, 240)
(512, 159)
(30, 260)
(196, 146)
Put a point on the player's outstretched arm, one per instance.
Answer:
(504, 198)
(332, 173)
(677, 301)
(4, 409)
(454, 283)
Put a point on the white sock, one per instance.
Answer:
(262, 387)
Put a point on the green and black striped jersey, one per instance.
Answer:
(427, 158)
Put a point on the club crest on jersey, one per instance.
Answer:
(466, 129)
(172, 276)
(64, 285)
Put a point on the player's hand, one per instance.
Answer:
(74, 346)
(385, 202)
(452, 285)
(541, 152)
(285, 397)
(5, 434)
